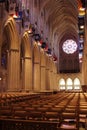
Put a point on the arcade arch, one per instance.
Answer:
(26, 63)
(10, 45)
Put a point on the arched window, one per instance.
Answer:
(62, 84)
(69, 84)
(77, 84)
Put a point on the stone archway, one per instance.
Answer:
(26, 63)
(10, 36)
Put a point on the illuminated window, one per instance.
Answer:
(62, 84)
(77, 83)
(69, 84)
(69, 46)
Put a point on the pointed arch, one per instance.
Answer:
(69, 84)
(62, 84)
(11, 31)
(26, 44)
(11, 39)
(26, 63)
(77, 84)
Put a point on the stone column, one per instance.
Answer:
(47, 79)
(43, 78)
(55, 76)
(37, 76)
(47, 74)
(43, 70)
(13, 70)
(27, 74)
(51, 74)
(51, 79)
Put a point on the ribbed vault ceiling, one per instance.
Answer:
(57, 21)
(62, 16)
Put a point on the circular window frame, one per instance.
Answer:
(69, 46)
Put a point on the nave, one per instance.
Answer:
(43, 111)
(43, 65)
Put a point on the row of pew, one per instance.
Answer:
(59, 111)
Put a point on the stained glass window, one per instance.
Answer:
(69, 46)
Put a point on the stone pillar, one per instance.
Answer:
(51, 74)
(47, 74)
(55, 76)
(54, 81)
(51, 79)
(47, 79)
(37, 76)
(22, 74)
(13, 70)
(27, 74)
(43, 70)
(43, 78)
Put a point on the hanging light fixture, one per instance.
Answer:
(30, 31)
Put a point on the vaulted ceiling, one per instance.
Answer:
(65, 18)
(59, 20)
(62, 16)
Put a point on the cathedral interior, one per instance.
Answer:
(43, 64)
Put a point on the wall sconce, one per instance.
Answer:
(30, 31)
